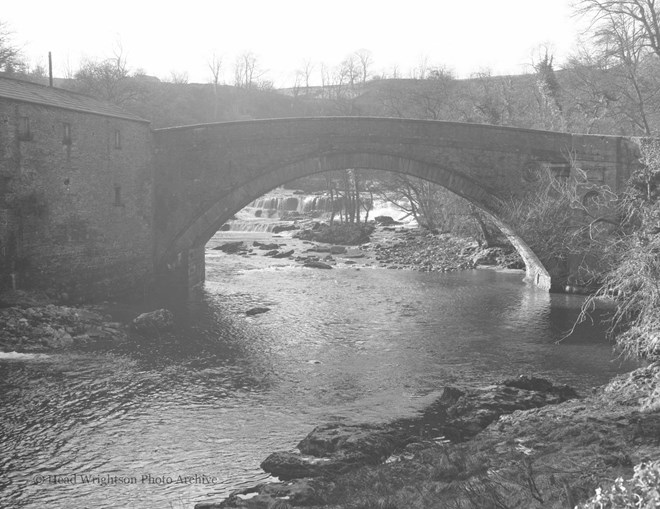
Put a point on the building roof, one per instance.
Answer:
(25, 91)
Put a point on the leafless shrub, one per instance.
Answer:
(633, 282)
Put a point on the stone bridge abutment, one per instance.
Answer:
(206, 173)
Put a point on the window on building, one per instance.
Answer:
(117, 138)
(66, 133)
(118, 195)
(24, 133)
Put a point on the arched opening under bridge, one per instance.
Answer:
(206, 224)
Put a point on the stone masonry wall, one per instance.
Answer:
(75, 214)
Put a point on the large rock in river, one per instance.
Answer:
(154, 321)
(280, 495)
(315, 264)
(231, 247)
(333, 449)
(457, 415)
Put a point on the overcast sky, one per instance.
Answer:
(466, 36)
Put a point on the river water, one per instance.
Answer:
(188, 418)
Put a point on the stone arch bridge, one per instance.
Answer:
(205, 173)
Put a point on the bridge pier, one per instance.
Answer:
(535, 273)
(183, 275)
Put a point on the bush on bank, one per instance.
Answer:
(633, 280)
(642, 491)
(616, 239)
(561, 221)
(633, 283)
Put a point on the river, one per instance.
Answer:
(188, 418)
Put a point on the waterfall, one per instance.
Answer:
(281, 207)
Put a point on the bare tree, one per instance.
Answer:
(215, 66)
(419, 72)
(179, 77)
(109, 79)
(625, 41)
(349, 71)
(365, 60)
(643, 13)
(10, 54)
(623, 38)
(247, 73)
(303, 77)
(487, 100)
(306, 72)
(297, 80)
(325, 79)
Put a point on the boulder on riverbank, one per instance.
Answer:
(386, 220)
(283, 254)
(278, 495)
(232, 247)
(266, 247)
(328, 249)
(315, 264)
(153, 322)
(256, 311)
(333, 449)
(285, 228)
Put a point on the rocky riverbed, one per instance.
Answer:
(391, 247)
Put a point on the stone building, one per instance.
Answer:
(76, 193)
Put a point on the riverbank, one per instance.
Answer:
(32, 323)
(540, 447)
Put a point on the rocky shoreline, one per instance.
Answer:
(520, 443)
(31, 323)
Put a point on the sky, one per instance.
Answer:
(465, 36)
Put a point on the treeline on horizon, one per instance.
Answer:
(583, 97)
(610, 87)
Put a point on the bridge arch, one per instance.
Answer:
(206, 224)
